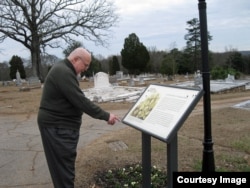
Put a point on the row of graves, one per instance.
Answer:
(128, 88)
(122, 87)
(230, 84)
(24, 84)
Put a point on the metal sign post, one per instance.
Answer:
(172, 160)
(208, 154)
(146, 160)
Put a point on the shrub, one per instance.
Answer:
(129, 176)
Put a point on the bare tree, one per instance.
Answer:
(38, 24)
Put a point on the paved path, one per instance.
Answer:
(22, 161)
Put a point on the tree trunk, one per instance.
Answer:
(36, 59)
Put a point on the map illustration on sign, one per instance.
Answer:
(143, 109)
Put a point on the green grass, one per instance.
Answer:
(242, 144)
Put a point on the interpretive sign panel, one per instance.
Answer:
(161, 110)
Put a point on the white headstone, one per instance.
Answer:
(230, 78)
(101, 80)
(131, 82)
(197, 78)
(18, 78)
(141, 80)
(119, 74)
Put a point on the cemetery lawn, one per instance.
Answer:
(230, 135)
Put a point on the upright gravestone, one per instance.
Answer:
(119, 74)
(18, 78)
(131, 82)
(186, 76)
(230, 78)
(197, 78)
(141, 80)
(101, 80)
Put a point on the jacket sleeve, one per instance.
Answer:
(69, 86)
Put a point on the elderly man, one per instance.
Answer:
(60, 116)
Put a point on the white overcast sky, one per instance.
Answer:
(162, 24)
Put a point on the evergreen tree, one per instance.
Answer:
(166, 65)
(193, 42)
(135, 56)
(114, 65)
(16, 64)
(236, 62)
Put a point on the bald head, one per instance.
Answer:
(80, 59)
(80, 53)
